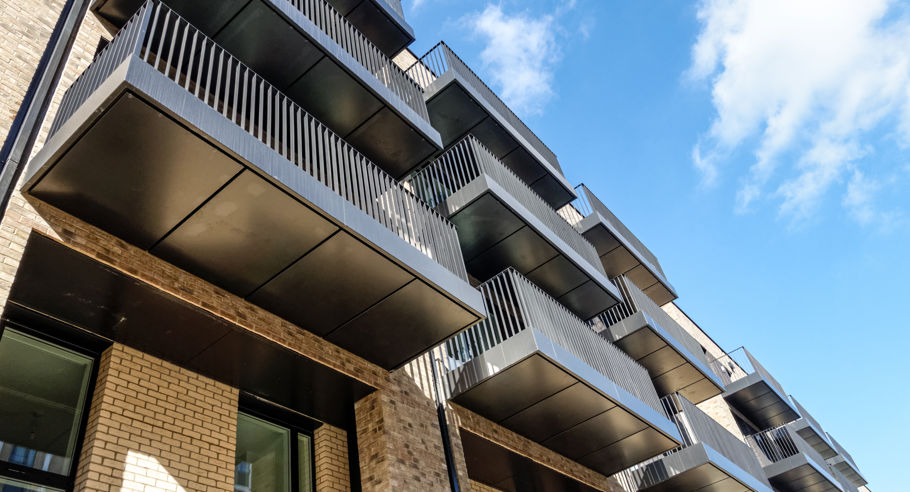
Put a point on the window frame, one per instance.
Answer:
(296, 423)
(86, 345)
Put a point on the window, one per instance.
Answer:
(43, 392)
(271, 456)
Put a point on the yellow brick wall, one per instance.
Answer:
(156, 426)
(331, 456)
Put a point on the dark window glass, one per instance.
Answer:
(264, 460)
(42, 396)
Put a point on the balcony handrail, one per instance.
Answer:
(810, 419)
(355, 43)
(515, 304)
(841, 451)
(732, 368)
(779, 443)
(159, 37)
(635, 301)
(695, 427)
(587, 203)
(440, 59)
(467, 160)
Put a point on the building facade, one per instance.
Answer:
(260, 245)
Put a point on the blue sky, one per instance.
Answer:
(759, 148)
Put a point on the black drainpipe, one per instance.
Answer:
(444, 428)
(27, 124)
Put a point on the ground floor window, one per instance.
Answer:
(272, 456)
(43, 394)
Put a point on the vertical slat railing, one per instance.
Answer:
(465, 161)
(440, 59)
(773, 445)
(197, 64)
(514, 304)
(351, 40)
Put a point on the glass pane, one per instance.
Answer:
(42, 393)
(305, 463)
(10, 485)
(262, 462)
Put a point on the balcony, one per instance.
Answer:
(503, 223)
(811, 431)
(537, 369)
(790, 463)
(460, 104)
(312, 54)
(382, 21)
(208, 167)
(751, 389)
(711, 458)
(619, 250)
(676, 362)
(844, 464)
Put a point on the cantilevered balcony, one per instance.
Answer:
(534, 367)
(844, 463)
(382, 21)
(504, 223)
(620, 251)
(173, 145)
(676, 362)
(751, 390)
(811, 431)
(711, 458)
(312, 54)
(790, 464)
(460, 104)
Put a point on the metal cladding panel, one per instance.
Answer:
(257, 229)
(499, 467)
(797, 473)
(760, 402)
(546, 394)
(378, 21)
(697, 467)
(107, 302)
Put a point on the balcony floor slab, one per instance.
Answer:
(698, 468)
(760, 402)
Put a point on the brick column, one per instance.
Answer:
(155, 426)
(332, 472)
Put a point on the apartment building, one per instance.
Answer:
(260, 245)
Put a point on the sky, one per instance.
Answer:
(760, 149)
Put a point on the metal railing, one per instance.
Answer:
(588, 203)
(773, 445)
(841, 451)
(158, 36)
(695, 427)
(467, 160)
(809, 418)
(514, 304)
(846, 484)
(738, 364)
(635, 301)
(440, 59)
(396, 6)
(351, 40)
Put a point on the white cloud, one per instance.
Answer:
(520, 54)
(804, 86)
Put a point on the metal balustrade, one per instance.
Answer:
(587, 203)
(695, 427)
(514, 304)
(440, 59)
(634, 301)
(396, 6)
(841, 451)
(158, 36)
(466, 161)
(331, 22)
(773, 445)
(738, 364)
(809, 418)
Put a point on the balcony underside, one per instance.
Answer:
(848, 470)
(386, 28)
(672, 368)
(817, 440)
(236, 213)
(498, 467)
(455, 110)
(56, 282)
(800, 474)
(497, 232)
(697, 468)
(280, 44)
(759, 402)
(620, 258)
(535, 388)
